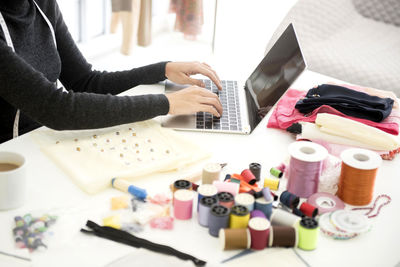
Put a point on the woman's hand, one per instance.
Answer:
(179, 72)
(194, 99)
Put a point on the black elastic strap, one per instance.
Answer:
(131, 240)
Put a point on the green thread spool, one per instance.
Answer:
(275, 172)
(308, 234)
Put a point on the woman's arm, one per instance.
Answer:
(27, 89)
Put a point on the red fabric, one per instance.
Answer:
(285, 114)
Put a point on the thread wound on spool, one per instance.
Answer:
(235, 238)
(182, 184)
(264, 206)
(239, 217)
(283, 236)
(225, 199)
(272, 183)
(289, 200)
(308, 209)
(357, 176)
(255, 168)
(259, 231)
(246, 200)
(275, 172)
(204, 209)
(218, 218)
(183, 204)
(305, 167)
(325, 202)
(248, 177)
(211, 172)
(308, 233)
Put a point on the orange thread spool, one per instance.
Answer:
(357, 176)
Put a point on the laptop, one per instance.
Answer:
(243, 102)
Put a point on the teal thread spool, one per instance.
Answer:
(308, 234)
(275, 172)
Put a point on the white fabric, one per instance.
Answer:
(93, 157)
(356, 131)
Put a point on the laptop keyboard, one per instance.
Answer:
(229, 97)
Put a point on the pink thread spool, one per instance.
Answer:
(259, 232)
(183, 204)
(305, 167)
(248, 177)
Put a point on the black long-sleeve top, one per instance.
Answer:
(27, 78)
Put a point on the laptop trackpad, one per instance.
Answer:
(180, 121)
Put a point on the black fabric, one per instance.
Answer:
(350, 102)
(131, 240)
(27, 78)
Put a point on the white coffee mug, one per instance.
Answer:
(13, 181)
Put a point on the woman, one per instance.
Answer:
(36, 50)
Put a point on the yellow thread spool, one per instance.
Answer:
(308, 234)
(239, 217)
(272, 183)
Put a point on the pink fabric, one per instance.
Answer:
(285, 114)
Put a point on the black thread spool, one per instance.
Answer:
(289, 200)
(255, 168)
(298, 212)
(182, 184)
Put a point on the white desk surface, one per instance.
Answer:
(50, 190)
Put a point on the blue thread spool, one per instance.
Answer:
(218, 218)
(289, 200)
(204, 210)
(264, 206)
(206, 190)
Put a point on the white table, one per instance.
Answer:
(50, 190)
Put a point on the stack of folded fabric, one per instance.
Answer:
(339, 117)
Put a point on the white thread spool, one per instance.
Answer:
(211, 172)
(282, 217)
(246, 200)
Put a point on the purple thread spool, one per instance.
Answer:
(305, 167)
(257, 213)
(204, 210)
(267, 194)
(218, 218)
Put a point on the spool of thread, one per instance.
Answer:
(232, 188)
(325, 202)
(183, 204)
(275, 172)
(256, 194)
(357, 177)
(272, 183)
(248, 177)
(206, 190)
(255, 168)
(264, 206)
(283, 236)
(218, 218)
(308, 233)
(181, 184)
(204, 210)
(246, 200)
(284, 218)
(211, 172)
(257, 213)
(126, 186)
(235, 238)
(195, 187)
(239, 217)
(308, 209)
(305, 167)
(225, 199)
(267, 194)
(289, 200)
(259, 232)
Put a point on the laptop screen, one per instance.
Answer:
(277, 71)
